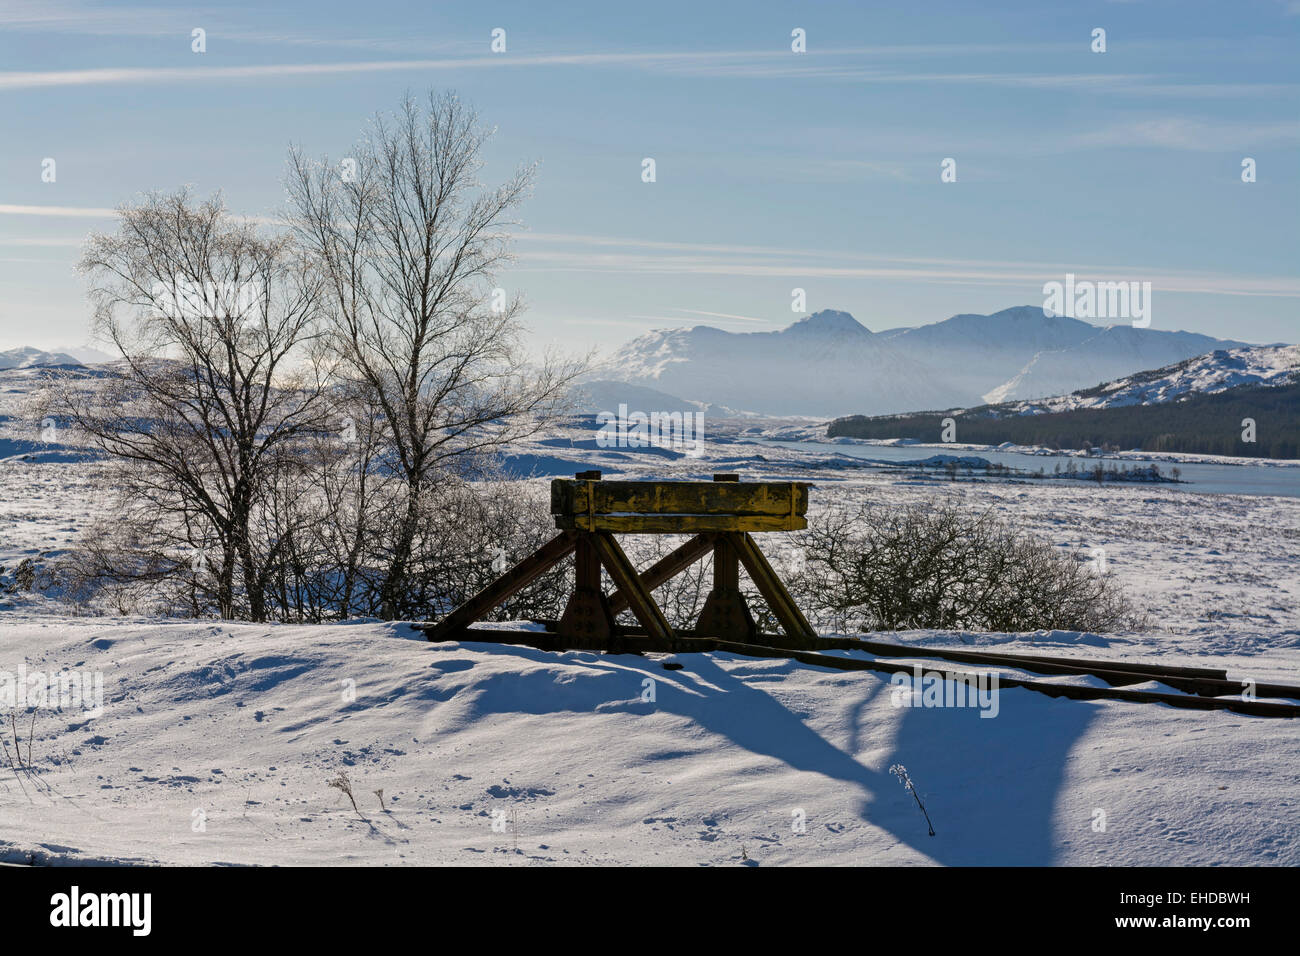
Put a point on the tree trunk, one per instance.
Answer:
(226, 582)
(395, 580)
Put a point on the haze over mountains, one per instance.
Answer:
(830, 364)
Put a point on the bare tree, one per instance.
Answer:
(407, 245)
(215, 327)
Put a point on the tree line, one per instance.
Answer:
(1199, 424)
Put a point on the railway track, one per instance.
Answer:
(1201, 688)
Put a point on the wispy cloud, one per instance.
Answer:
(42, 242)
(102, 212)
(932, 265)
(1186, 133)
(31, 79)
(73, 17)
(629, 255)
(73, 212)
(857, 65)
(722, 315)
(807, 264)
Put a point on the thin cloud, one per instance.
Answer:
(102, 212)
(769, 64)
(41, 242)
(1189, 134)
(597, 254)
(1025, 274)
(73, 212)
(90, 19)
(722, 315)
(965, 267)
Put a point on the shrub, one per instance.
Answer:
(937, 565)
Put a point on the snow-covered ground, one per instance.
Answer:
(216, 741)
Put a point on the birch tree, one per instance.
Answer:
(215, 326)
(408, 242)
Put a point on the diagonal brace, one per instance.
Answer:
(774, 592)
(667, 567)
(629, 584)
(504, 587)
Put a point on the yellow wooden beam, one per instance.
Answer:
(786, 499)
(679, 523)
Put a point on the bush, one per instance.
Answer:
(930, 565)
(468, 534)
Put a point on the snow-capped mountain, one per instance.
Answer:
(1197, 406)
(1209, 374)
(824, 363)
(606, 396)
(980, 352)
(1105, 355)
(30, 358)
(829, 363)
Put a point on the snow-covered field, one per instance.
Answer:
(216, 741)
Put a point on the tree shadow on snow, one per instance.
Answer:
(990, 785)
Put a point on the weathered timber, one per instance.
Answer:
(1112, 672)
(629, 582)
(1073, 691)
(777, 499)
(679, 523)
(769, 585)
(666, 568)
(1207, 682)
(882, 649)
(725, 613)
(718, 514)
(588, 621)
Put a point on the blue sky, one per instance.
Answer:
(775, 170)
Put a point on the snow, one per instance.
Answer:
(216, 740)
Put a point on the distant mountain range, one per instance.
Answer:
(35, 358)
(1198, 405)
(829, 363)
(32, 358)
